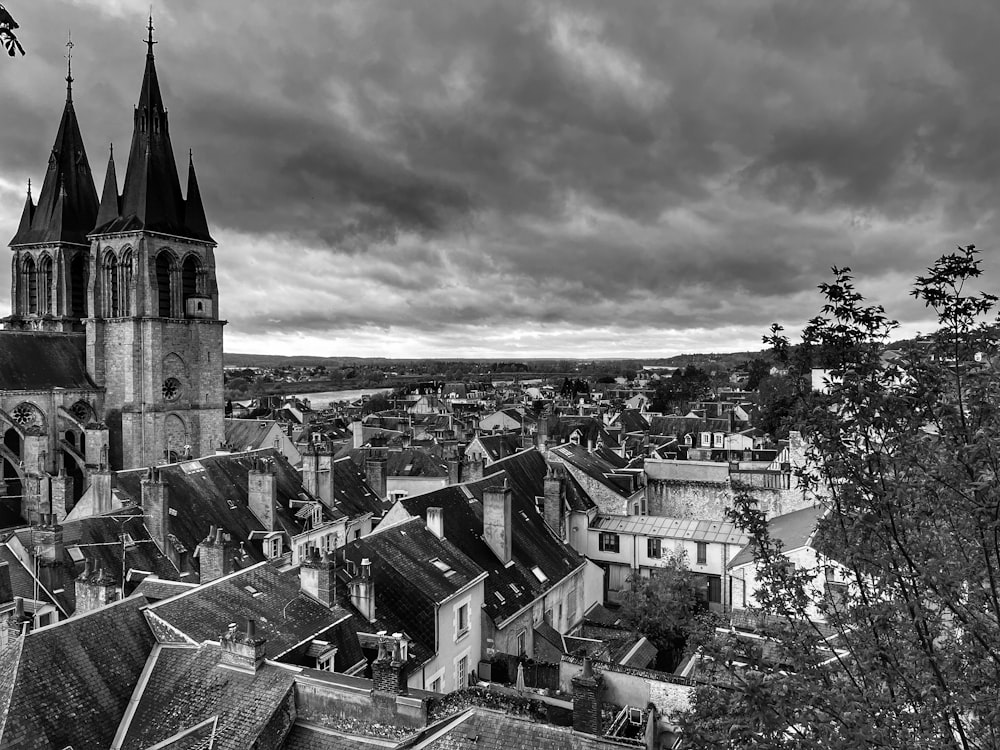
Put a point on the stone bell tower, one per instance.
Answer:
(154, 338)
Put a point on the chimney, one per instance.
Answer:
(454, 471)
(496, 520)
(363, 591)
(18, 622)
(95, 588)
(555, 492)
(375, 468)
(37, 502)
(102, 482)
(587, 700)
(156, 507)
(318, 577)
(474, 470)
(358, 433)
(542, 434)
(262, 494)
(317, 472)
(387, 669)
(47, 538)
(215, 555)
(244, 652)
(435, 521)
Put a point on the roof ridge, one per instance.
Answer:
(201, 586)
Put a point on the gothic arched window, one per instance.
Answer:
(29, 277)
(125, 283)
(164, 270)
(109, 270)
(45, 285)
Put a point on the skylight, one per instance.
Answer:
(542, 578)
(443, 566)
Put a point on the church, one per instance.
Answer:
(112, 355)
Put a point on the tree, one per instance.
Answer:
(905, 453)
(683, 386)
(778, 398)
(664, 608)
(757, 370)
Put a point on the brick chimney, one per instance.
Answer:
(387, 669)
(47, 538)
(102, 482)
(262, 494)
(95, 588)
(317, 472)
(61, 494)
(318, 577)
(244, 651)
(363, 591)
(454, 471)
(587, 700)
(156, 507)
(375, 474)
(555, 493)
(435, 521)
(496, 520)
(215, 555)
(473, 470)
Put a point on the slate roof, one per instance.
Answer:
(407, 462)
(508, 588)
(70, 683)
(186, 686)
(201, 491)
(632, 420)
(248, 434)
(408, 586)
(352, 494)
(560, 428)
(672, 528)
(305, 737)
(793, 529)
(284, 615)
(484, 728)
(67, 204)
(598, 467)
(157, 589)
(501, 446)
(40, 361)
(22, 582)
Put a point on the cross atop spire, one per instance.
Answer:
(69, 67)
(149, 37)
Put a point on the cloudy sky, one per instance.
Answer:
(540, 178)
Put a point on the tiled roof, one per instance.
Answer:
(483, 728)
(248, 434)
(508, 588)
(305, 737)
(560, 428)
(500, 446)
(408, 584)
(598, 467)
(407, 462)
(632, 420)
(351, 492)
(157, 589)
(43, 361)
(186, 686)
(672, 528)
(793, 529)
(22, 582)
(284, 615)
(70, 683)
(213, 491)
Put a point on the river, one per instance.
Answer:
(323, 399)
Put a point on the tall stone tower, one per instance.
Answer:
(51, 249)
(154, 338)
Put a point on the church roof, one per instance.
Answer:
(67, 205)
(38, 360)
(151, 198)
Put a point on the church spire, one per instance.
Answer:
(110, 209)
(194, 210)
(151, 196)
(67, 203)
(69, 69)
(26, 215)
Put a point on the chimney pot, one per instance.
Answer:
(251, 629)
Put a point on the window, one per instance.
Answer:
(705, 439)
(653, 548)
(462, 673)
(607, 542)
(717, 440)
(436, 685)
(571, 605)
(702, 553)
(714, 589)
(522, 642)
(462, 621)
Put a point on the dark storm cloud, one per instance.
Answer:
(531, 175)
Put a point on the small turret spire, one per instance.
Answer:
(69, 67)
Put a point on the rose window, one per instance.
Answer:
(23, 414)
(81, 410)
(171, 389)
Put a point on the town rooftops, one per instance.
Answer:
(794, 529)
(248, 434)
(69, 684)
(285, 616)
(719, 532)
(352, 494)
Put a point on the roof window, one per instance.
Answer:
(542, 578)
